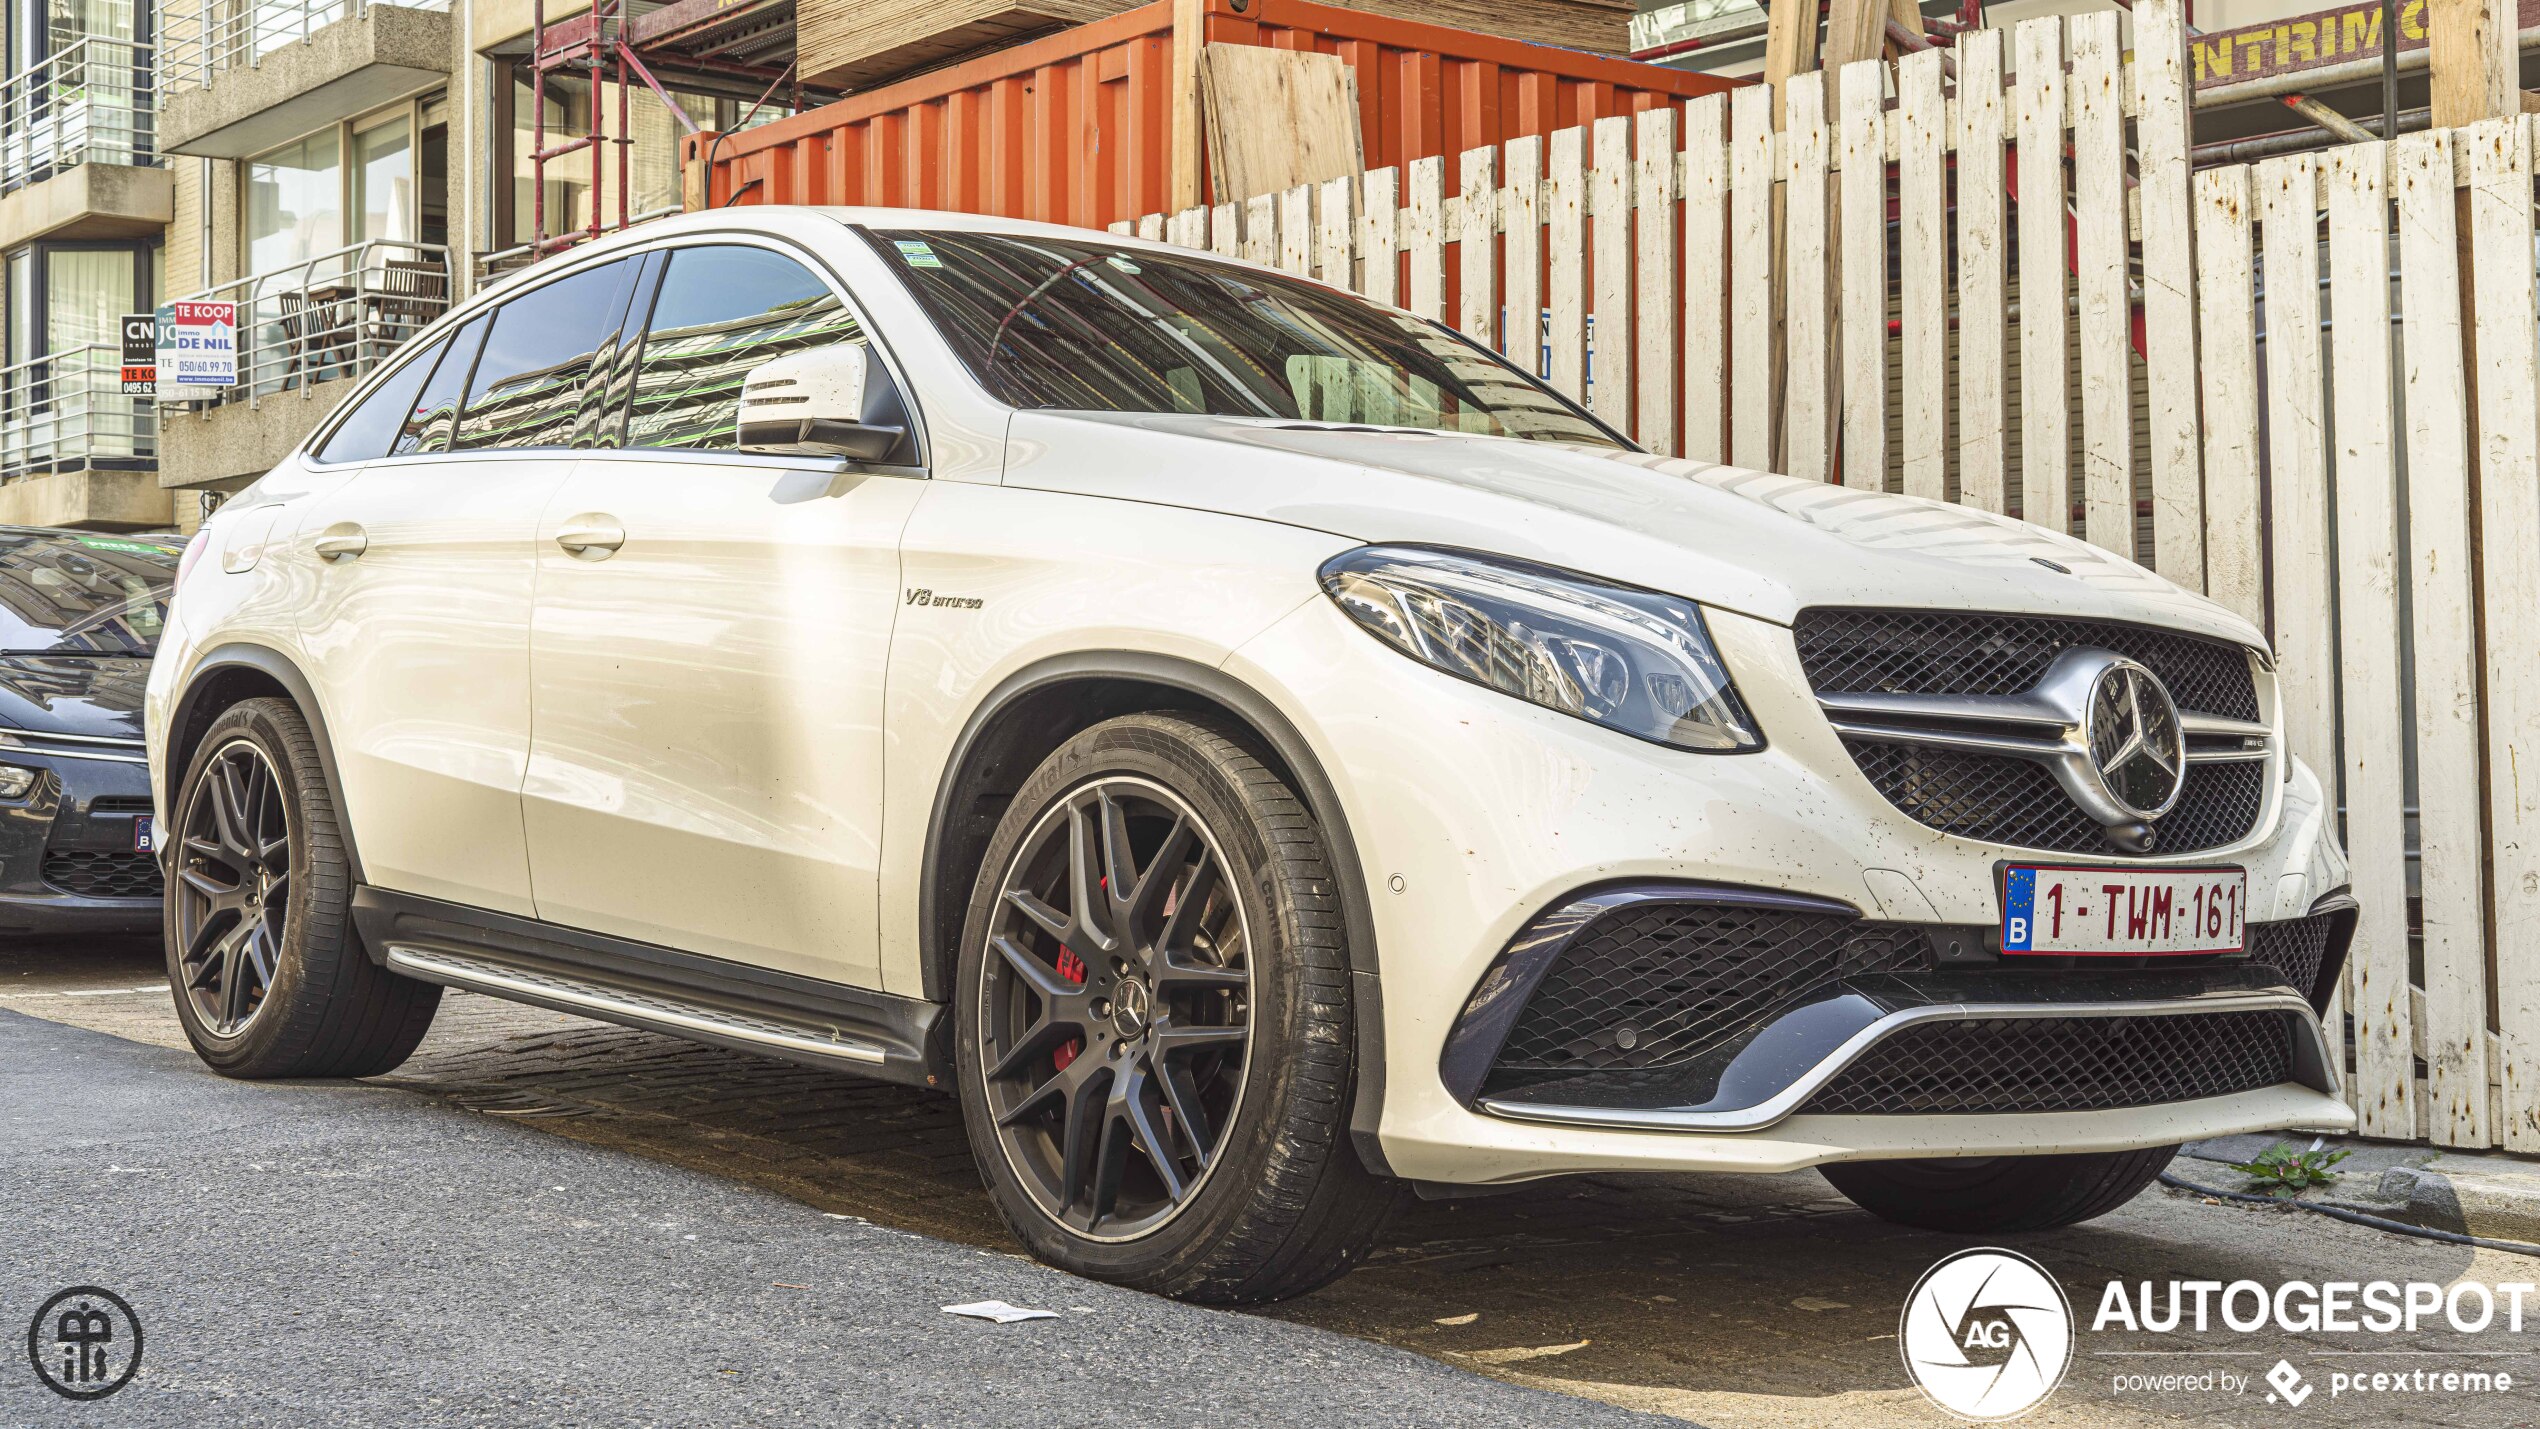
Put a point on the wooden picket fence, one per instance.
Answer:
(2073, 327)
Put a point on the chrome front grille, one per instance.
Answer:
(1971, 723)
(1949, 652)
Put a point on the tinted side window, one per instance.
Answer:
(374, 424)
(723, 310)
(435, 409)
(529, 386)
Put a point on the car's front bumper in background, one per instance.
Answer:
(67, 857)
(1486, 825)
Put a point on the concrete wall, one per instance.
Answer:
(91, 500)
(377, 57)
(89, 201)
(230, 445)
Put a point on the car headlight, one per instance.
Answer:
(1633, 660)
(15, 780)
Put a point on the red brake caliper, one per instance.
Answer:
(1072, 968)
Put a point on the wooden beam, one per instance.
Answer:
(1790, 45)
(1183, 184)
(2475, 71)
(1855, 30)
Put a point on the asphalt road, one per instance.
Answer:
(414, 1228)
(335, 1253)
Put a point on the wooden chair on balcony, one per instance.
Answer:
(404, 294)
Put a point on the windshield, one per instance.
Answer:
(73, 595)
(1088, 326)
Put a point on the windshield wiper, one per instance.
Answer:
(81, 654)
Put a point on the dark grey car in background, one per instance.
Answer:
(80, 615)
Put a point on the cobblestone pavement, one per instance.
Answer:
(1736, 1301)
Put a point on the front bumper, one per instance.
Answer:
(1473, 813)
(67, 861)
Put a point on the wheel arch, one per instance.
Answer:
(227, 675)
(1035, 710)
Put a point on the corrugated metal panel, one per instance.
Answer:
(1077, 127)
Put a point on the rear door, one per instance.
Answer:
(708, 647)
(423, 566)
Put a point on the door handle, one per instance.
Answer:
(341, 542)
(591, 536)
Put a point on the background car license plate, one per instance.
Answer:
(2122, 912)
(141, 835)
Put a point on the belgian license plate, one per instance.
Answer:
(144, 839)
(2123, 912)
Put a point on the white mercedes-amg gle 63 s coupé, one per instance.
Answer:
(1262, 750)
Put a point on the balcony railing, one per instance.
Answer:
(200, 38)
(503, 261)
(335, 315)
(90, 103)
(67, 410)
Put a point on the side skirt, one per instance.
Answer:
(711, 1000)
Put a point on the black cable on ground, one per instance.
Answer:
(2378, 1223)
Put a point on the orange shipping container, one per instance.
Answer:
(1078, 127)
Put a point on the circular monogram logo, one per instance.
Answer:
(1987, 1334)
(2136, 747)
(85, 1343)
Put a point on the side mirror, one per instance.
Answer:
(812, 404)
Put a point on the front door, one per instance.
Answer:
(708, 649)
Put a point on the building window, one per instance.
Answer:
(61, 395)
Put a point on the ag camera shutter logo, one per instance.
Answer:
(1987, 1334)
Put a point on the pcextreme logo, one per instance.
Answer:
(1987, 1334)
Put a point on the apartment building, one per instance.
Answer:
(83, 200)
(342, 170)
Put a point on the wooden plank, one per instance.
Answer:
(1706, 279)
(2444, 614)
(2235, 561)
(1297, 230)
(1226, 230)
(1809, 368)
(2037, 99)
(2505, 315)
(1261, 229)
(2473, 71)
(2302, 630)
(1983, 246)
(1565, 253)
(1188, 228)
(1185, 154)
(1424, 237)
(1862, 267)
(1151, 228)
(2106, 328)
(1753, 396)
(1790, 48)
(2297, 458)
(2169, 294)
(1610, 382)
(1380, 234)
(1922, 183)
(1277, 118)
(1477, 254)
(1336, 244)
(1856, 31)
(1655, 305)
(1521, 218)
(2366, 479)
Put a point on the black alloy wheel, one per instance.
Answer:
(1115, 1009)
(233, 888)
(269, 975)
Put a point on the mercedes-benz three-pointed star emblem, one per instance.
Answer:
(2136, 747)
